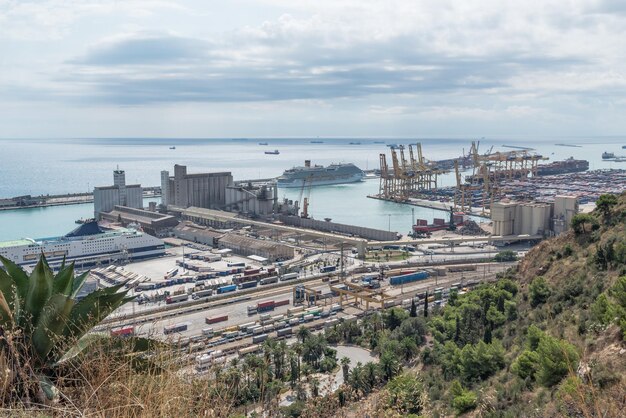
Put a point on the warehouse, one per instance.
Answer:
(249, 246)
(196, 233)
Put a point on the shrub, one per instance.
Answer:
(525, 366)
(556, 359)
(406, 394)
(464, 402)
(506, 255)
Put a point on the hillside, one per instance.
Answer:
(547, 340)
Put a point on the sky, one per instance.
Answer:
(327, 68)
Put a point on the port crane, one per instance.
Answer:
(307, 197)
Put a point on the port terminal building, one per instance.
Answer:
(105, 198)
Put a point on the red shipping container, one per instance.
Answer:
(251, 271)
(215, 319)
(265, 304)
(282, 302)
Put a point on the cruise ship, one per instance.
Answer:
(87, 245)
(318, 175)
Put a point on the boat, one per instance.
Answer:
(623, 146)
(82, 221)
(607, 155)
(88, 244)
(172, 147)
(379, 142)
(317, 142)
(275, 152)
(263, 143)
(569, 165)
(318, 175)
(355, 143)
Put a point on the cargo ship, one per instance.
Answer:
(562, 167)
(275, 152)
(88, 244)
(318, 175)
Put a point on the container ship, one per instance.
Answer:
(318, 175)
(563, 167)
(88, 244)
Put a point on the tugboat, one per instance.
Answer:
(607, 155)
(275, 152)
(172, 147)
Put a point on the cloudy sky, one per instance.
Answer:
(285, 68)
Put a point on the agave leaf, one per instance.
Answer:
(78, 282)
(48, 332)
(6, 318)
(48, 387)
(91, 310)
(63, 262)
(63, 281)
(8, 290)
(18, 275)
(39, 290)
(80, 345)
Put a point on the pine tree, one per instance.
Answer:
(457, 329)
(413, 312)
(426, 305)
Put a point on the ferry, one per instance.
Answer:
(88, 244)
(275, 152)
(317, 142)
(263, 143)
(318, 175)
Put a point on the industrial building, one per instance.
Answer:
(105, 198)
(154, 223)
(204, 190)
(517, 218)
(196, 233)
(247, 246)
(250, 199)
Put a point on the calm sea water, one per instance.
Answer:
(75, 165)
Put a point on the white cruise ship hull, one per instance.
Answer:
(293, 183)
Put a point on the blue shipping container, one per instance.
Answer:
(408, 278)
(224, 289)
(328, 269)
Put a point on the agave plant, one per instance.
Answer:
(43, 324)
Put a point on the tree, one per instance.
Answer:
(506, 255)
(426, 305)
(345, 368)
(46, 324)
(539, 291)
(525, 366)
(414, 328)
(393, 317)
(406, 395)
(557, 358)
(389, 365)
(413, 312)
(604, 204)
(303, 333)
(409, 348)
(580, 220)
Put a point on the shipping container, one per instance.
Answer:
(241, 264)
(328, 269)
(281, 303)
(207, 332)
(251, 309)
(284, 332)
(308, 317)
(249, 350)
(293, 311)
(257, 329)
(294, 321)
(246, 327)
(231, 335)
(249, 272)
(225, 289)
(408, 278)
(265, 306)
(170, 329)
(259, 338)
(331, 322)
(336, 307)
(213, 320)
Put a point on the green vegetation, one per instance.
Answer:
(506, 255)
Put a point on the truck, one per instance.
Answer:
(202, 294)
(171, 273)
(171, 329)
(249, 350)
(293, 311)
(176, 298)
(285, 332)
(247, 285)
(250, 272)
(215, 319)
(288, 276)
(268, 280)
(408, 278)
(123, 332)
(226, 289)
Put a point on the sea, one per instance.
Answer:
(57, 166)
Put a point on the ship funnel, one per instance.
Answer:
(307, 163)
